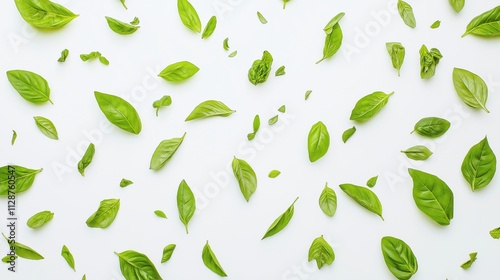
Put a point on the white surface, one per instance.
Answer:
(234, 227)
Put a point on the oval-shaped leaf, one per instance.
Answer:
(472, 259)
(86, 159)
(188, 15)
(334, 21)
(40, 219)
(262, 19)
(322, 252)
(137, 266)
(105, 214)
(66, 254)
(348, 134)
(160, 214)
(418, 152)
(210, 108)
(24, 251)
(16, 179)
(245, 175)
(372, 181)
(281, 222)
(167, 252)
(179, 71)
(318, 141)
(457, 5)
(369, 106)
(44, 13)
(399, 258)
(186, 203)
(397, 53)
(432, 196)
(31, 86)
(211, 261)
(209, 28)
(470, 88)
(432, 127)
(479, 165)
(406, 12)
(125, 182)
(364, 197)
(46, 127)
(333, 41)
(259, 72)
(165, 150)
(486, 24)
(274, 173)
(121, 27)
(119, 112)
(328, 201)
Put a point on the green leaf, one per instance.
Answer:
(399, 258)
(284, 3)
(329, 26)
(274, 173)
(210, 108)
(123, 3)
(86, 159)
(121, 27)
(209, 28)
(256, 126)
(179, 71)
(308, 93)
(397, 53)
(479, 165)
(470, 88)
(64, 55)
(22, 176)
(262, 19)
(40, 219)
(211, 261)
(333, 41)
(137, 266)
(322, 252)
(432, 127)
(8, 259)
(165, 150)
(233, 54)
(14, 137)
(406, 12)
(280, 71)
(472, 259)
(432, 196)
(495, 233)
(245, 175)
(318, 141)
(372, 181)
(188, 15)
(186, 203)
(31, 86)
(165, 101)
(135, 21)
(105, 214)
(167, 253)
(225, 44)
(84, 277)
(23, 251)
(281, 222)
(418, 152)
(160, 214)
(364, 197)
(259, 72)
(457, 5)
(273, 120)
(119, 112)
(428, 61)
(44, 13)
(46, 127)
(328, 201)
(369, 106)
(124, 183)
(93, 56)
(66, 254)
(282, 109)
(436, 24)
(348, 134)
(486, 24)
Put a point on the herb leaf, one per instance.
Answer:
(124, 183)
(479, 165)
(165, 150)
(31, 86)
(495, 233)
(179, 71)
(372, 181)
(160, 214)
(137, 266)
(406, 12)
(210, 108)
(40, 219)
(328, 201)
(281, 222)
(364, 197)
(262, 19)
(329, 26)
(211, 261)
(119, 112)
(225, 44)
(318, 141)
(308, 93)
(105, 214)
(123, 3)
(273, 120)
(470, 88)
(24, 251)
(233, 54)
(280, 71)
(486, 24)
(457, 5)
(282, 109)
(348, 133)
(64, 55)
(322, 252)
(472, 259)
(399, 258)
(186, 203)
(94, 55)
(428, 61)
(333, 41)
(44, 13)
(86, 159)
(369, 106)
(210, 27)
(432, 127)
(274, 173)
(24, 178)
(259, 72)
(46, 127)
(397, 53)
(418, 152)
(245, 175)
(188, 15)
(121, 27)
(256, 126)
(432, 196)
(14, 137)
(66, 254)
(165, 101)
(436, 24)
(167, 253)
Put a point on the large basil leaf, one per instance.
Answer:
(137, 266)
(318, 141)
(369, 106)
(31, 86)
(105, 214)
(21, 179)
(179, 71)
(457, 5)
(119, 112)
(188, 15)
(322, 252)
(44, 13)
(281, 222)
(479, 165)
(247, 180)
(432, 127)
(210, 108)
(186, 203)
(399, 258)
(364, 197)
(486, 24)
(165, 150)
(470, 88)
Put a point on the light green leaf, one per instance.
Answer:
(328, 201)
(322, 252)
(137, 266)
(479, 165)
(281, 222)
(210, 108)
(470, 88)
(318, 141)
(368, 106)
(40, 219)
(245, 175)
(364, 197)
(186, 203)
(46, 127)
(209, 28)
(119, 112)
(165, 150)
(211, 261)
(105, 214)
(31, 86)
(23, 176)
(44, 13)
(179, 71)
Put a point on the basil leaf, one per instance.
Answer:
(160, 214)
(137, 266)
(86, 159)
(165, 150)
(495, 233)
(472, 259)
(322, 252)
(273, 120)
(121, 27)
(186, 203)
(233, 54)
(64, 55)
(470, 88)
(432, 196)
(211, 261)
(329, 26)
(24, 178)
(179, 71)
(256, 126)
(84, 277)
(167, 253)
(24, 251)
(123, 3)
(225, 44)
(124, 183)
(369, 106)
(209, 28)
(282, 109)
(40, 219)
(66, 254)
(333, 41)
(14, 137)
(318, 141)
(399, 258)
(119, 112)
(31, 86)
(280, 71)
(94, 55)
(105, 214)
(165, 101)
(428, 61)
(262, 19)
(188, 15)
(372, 181)
(397, 53)
(44, 13)
(479, 165)
(457, 5)
(328, 201)
(8, 259)
(260, 69)
(432, 127)
(135, 21)
(281, 222)
(274, 173)
(436, 24)
(418, 152)
(364, 197)
(486, 24)
(406, 12)
(308, 93)
(46, 127)
(210, 108)
(348, 134)
(245, 175)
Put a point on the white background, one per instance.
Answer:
(234, 227)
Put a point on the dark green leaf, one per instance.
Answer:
(105, 214)
(165, 150)
(119, 112)
(281, 222)
(479, 165)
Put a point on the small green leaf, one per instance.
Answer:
(348, 134)
(119, 112)
(167, 253)
(210, 108)
(318, 141)
(368, 106)
(273, 120)
(211, 261)
(94, 55)
(457, 5)
(165, 150)
(259, 72)
(121, 27)
(40, 219)
(428, 61)
(86, 159)
(256, 126)
(479, 165)
(274, 173)
(64, 55)
(328, 201)
(406, 12)
(46, 127)
(123, 3)
(372, 181)
(280, 71)
(135, 21)
(397, 53)
(8, 259)
(186, 203)
(105, 214)
(282, 109)
(188, 15)
(160, 214)
(209, 28)
(14, 137)
(179, 71)
(225, 44)
(468, 264)
(495, 233)
(329, 26)
(245, 175)
(364, 197)
(432, 127)
(322, 252)
(418, 152)
(66, 254)
(436, 24)
(262, 19)
(308, 93)
(165, 101)
(233, 54)
(124, 183)
(137, 266)
(281, 222)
